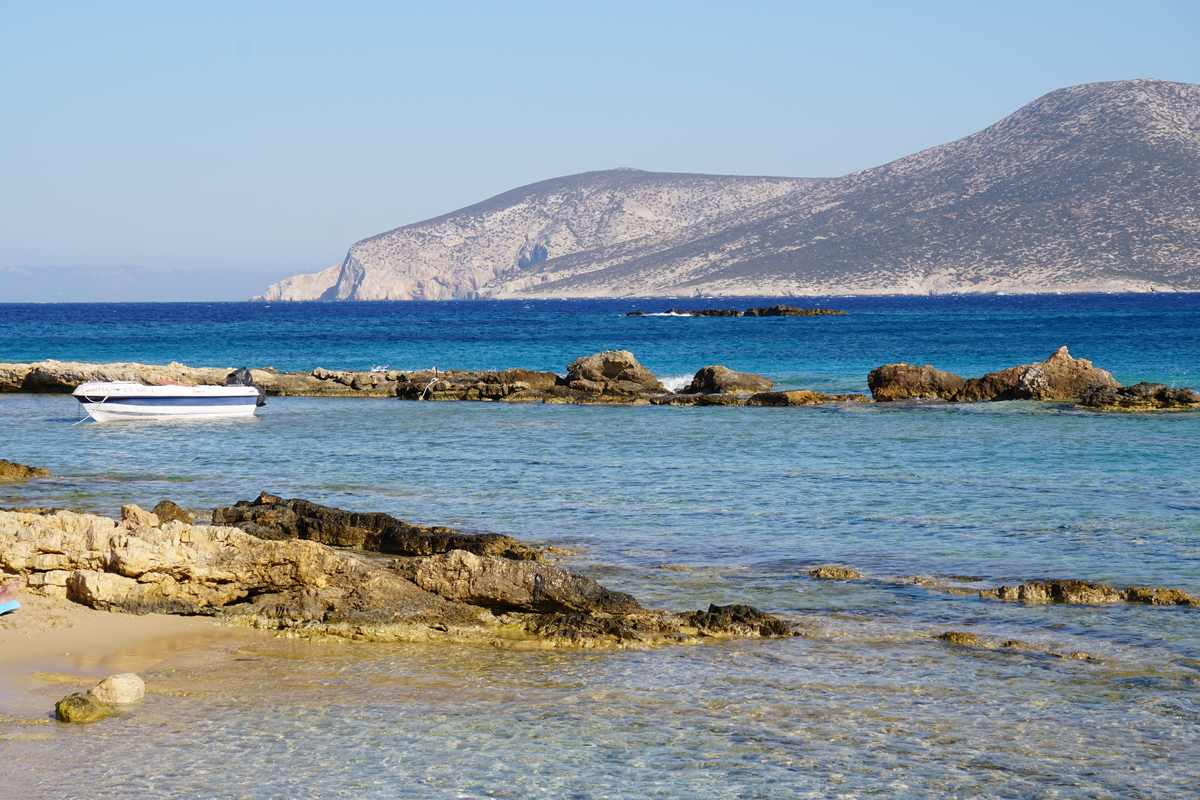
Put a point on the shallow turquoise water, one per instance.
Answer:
(865, 703)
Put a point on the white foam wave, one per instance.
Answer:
(676, 382)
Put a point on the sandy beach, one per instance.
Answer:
(50, 641)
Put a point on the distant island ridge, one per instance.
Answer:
(1090, 188)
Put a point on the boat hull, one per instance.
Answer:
(107, 401)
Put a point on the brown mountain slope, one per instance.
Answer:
(1090, 188)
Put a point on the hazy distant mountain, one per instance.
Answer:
(1090, 188)
(459, 254)
(127, 285)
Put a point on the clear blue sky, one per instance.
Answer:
(270, 136)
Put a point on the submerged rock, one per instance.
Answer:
(738, 620)
(960, 638)
(802, 397)
(835, 573)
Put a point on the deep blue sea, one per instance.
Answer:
(679, 506)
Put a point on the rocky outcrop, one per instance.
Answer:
(1140, 397)
(495, 582)
(735, 620)
(611, 372)
(10, 471)
(902, 381)
(309, 286)
(271, 517)
(1086, 593)
(1059, 377)
(722, 380)
(64, 376)
(305, 588)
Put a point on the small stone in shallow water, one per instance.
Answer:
(120, 689)
(81, 708)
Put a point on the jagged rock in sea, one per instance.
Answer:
(611, 372)
(1059, 377)
(903, 381)
(11, 471)
(1088, 188)
(305, 588)
(722, 380)
(1140, 397)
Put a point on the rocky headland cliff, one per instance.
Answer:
(1089, 188)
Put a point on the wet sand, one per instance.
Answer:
(57, 642)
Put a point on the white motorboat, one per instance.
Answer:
(113, 400)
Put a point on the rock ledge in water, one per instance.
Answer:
(1087, 593)
(1140, 397)
(303, 588)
